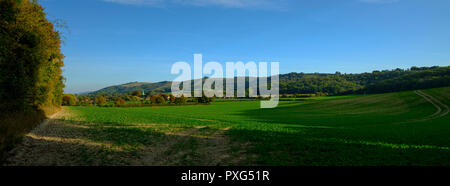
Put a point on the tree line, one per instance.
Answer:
(30, 57)
(31, 84)
(135, 98)
(366, 83)
(326, 83)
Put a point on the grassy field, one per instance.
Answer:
(400, 128)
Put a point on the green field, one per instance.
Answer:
(399, 128)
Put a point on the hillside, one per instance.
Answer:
(158, 87)
(333, 84)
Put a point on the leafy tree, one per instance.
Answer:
(135, 98)
(153, 98)
(165, 96)
(119, 101)
(128, 98)
(136, 93)
(100, 100)
(30, 57)
(69, 100)
(157, 99)
(172, 98)
(181, 100)
(160, 100)
(85, 100)
(204, 99)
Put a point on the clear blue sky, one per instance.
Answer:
(117, 41)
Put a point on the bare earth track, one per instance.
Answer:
(442, 109)
(59, 142)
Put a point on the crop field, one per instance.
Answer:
(402, 128)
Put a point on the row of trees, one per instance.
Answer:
(317, 94)
(331, 84)
(30, 57)
(134, 98)
(420, 79)
(317, 84)
(374, 82)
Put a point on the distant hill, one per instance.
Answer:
(333, 84)
(159, 87)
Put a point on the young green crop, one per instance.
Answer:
(382, 129)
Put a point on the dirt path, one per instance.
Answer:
(39, 145)
(442, 109)
(56, 143)
(60, 142)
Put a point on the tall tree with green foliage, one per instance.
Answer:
(30, 57)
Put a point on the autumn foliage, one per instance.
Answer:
(119, 101)
(69, 99)
(30, 57)
(30, 70)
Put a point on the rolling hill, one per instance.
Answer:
(163, 86)
(333, 84)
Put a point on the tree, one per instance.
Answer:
(136, 93)
(135, 98)
(172, 98)
(319, 94)
(153, 98)
(85, 100)
(119, 101)
(165, 96)
(160, 100)
(204, 99)
(30, 57)
(100, 100)
(157, 99)
(181, 100)
(128, 98)
(69, 100)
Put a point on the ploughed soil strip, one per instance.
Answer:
(60, 142)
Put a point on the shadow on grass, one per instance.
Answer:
(292, 135)
(65, 142)
(305, 147)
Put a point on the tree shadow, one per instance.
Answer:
(303, 147)
(291, 135)
(66, 142)
(13, 125)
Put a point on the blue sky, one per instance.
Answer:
(110, 42)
